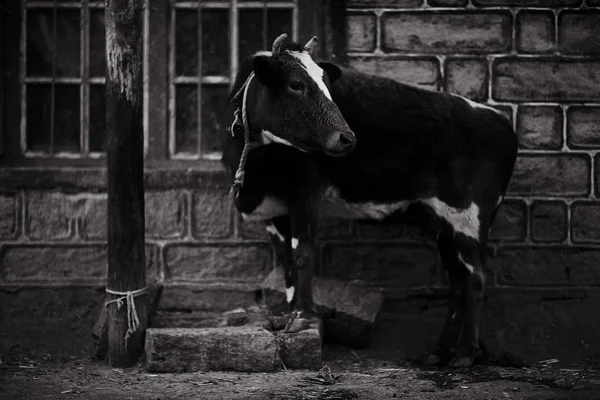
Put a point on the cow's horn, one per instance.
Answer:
(277, 43)
(310, 45)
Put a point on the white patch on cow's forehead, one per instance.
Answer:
(263, 53)
(314, 71)
(465, 221)
(269, 137)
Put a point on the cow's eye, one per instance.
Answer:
(296, 86)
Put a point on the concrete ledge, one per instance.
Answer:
(211, 349)
(300, 350)
(243, 349)
(348, 309)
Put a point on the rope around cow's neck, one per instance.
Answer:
(240, 173)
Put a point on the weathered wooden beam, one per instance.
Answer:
(125, 162)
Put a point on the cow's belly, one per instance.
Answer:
(331, 204)
(269, 208)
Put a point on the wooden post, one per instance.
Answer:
(125, 161)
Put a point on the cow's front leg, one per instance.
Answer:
(302, 224)
(281, 237)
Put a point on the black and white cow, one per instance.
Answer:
(435, 159)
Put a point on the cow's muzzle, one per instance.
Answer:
(339, 143)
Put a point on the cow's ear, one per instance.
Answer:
(332, 70)
(267, 70)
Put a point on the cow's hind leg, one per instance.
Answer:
(472, 256)
(457, 276)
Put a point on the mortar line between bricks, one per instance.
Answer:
(495, 56)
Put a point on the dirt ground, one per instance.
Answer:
(348, 374)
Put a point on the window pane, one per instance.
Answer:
(97, 118)
(39, 42)
(215, 117)
(186, 43)
(39, 110)
(278, 22)
(68, 42)
(186, 119)
(215, 42)
(251, 33)
(97, 43)
(66, 121)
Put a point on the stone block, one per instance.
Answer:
(218, 298)
(437, 33)
(583, 130)
(578, 32)
(361, 32)
(422, 72)
(467, 77)
(48, 215)
(9, 214)
(240, 349)
(548, 221)
(204, 263)
(211, 214)
(546, 266)
(545, 79)
(535, 31)
(385, 264)
(585, 222)
(300, 350)
(348, 309)
(511, 222)
(555, 175)
(540, 127)
(166, 214)
(448, 3)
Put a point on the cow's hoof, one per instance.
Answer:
(461, 362)
(438, 357)
(299, 321)
(297, 325)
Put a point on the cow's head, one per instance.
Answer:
(288, 102)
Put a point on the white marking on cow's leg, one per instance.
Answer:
(269, 208)
(289, 294)
(269, 137)
(468, 266)
(474, 104)
(314, 71)
(465, 221)
(499, 200)
(294, 243)
(272, 229)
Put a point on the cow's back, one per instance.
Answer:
(412, 142)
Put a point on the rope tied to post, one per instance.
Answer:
(133, 321)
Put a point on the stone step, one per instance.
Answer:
(233, 348)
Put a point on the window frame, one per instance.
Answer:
(314, 17)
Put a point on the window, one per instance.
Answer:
(62, 79)
(192, 52)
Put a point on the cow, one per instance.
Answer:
(430, 158)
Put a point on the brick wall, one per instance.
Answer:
(539, 62)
